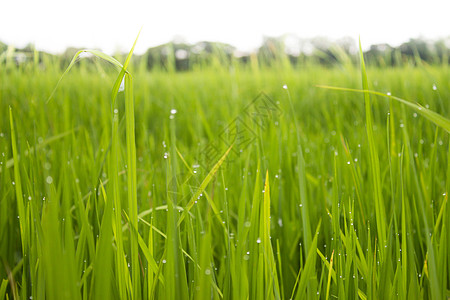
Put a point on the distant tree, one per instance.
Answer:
(183, 57)
(442, 51)
(284, 51)
(416, 49)
(380, 55)
(3, 47)
(322, 52)
(272, 50)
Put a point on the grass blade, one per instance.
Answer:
(374, 160)
(97, 53)
(203, 185)
(430, 115)
(123, 70)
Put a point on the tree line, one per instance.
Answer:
(274, 51)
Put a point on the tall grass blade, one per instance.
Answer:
(103, 257)
(374, 160)
(23, 222)
(123, 70)
(308, 271)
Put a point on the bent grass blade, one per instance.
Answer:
(430, 115)
(203, 185)
(97, 53)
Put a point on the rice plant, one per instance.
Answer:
(224, 183)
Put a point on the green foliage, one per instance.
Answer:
(109, 194)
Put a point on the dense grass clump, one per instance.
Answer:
(234, 183)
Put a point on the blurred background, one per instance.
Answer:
(190, 30)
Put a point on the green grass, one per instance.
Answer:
(340, 194)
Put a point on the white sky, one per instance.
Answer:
(53, 25)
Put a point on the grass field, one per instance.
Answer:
(224, 183)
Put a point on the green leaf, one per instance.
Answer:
(97, 53)
(203, 185)
(430, 115)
